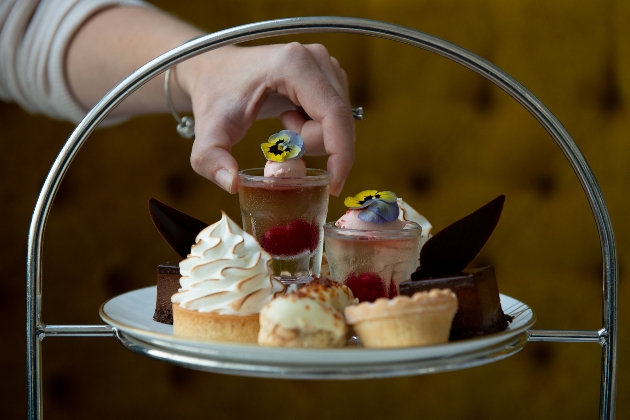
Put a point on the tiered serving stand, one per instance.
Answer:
(196, 357)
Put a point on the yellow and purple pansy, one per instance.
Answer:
(284, 145)
(378, 206)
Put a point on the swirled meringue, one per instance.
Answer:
(226, 272)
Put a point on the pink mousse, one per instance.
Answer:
(351, 220)
(288, 169)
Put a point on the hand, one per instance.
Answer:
(231, 87)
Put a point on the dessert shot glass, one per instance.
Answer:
(286, 216)
(372, 263)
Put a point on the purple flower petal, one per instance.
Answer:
(380, 212)
(367, 215)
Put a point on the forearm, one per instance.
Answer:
(114, 43)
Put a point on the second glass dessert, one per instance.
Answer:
(372, 263)
(284, 206)
(372, 249)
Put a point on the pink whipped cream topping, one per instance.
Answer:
(288, 168)
(351, 220)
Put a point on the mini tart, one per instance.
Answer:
(210, 326)
(420, 320)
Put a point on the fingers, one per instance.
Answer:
(313, 83)
(215, 133)
(299, 122)
(275, 106)
(212, 160)
(331, 68)
(226, 99)
(294, 121)
(246, 83)
(308, 129)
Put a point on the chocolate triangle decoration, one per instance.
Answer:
(176, 227)
(454, 247)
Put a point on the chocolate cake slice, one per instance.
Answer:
(479, 308)
(167, 285)
(443, 261)
(179, 230)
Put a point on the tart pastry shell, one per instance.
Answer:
(210, 326)
(424, 319)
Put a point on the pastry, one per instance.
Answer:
(311, 317)
(328, 291)
(442, 262)
(420, 320)
(226, 280)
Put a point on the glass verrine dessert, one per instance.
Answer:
(284, 206)
(369, 248)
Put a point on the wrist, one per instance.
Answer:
(179, 83)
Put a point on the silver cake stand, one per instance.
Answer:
(36, 330)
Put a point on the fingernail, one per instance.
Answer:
(339, 188)
(225, 179)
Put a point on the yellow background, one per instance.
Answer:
(437, 134)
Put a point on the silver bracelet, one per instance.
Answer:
(186, 125)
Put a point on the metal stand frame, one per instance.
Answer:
(36, 330)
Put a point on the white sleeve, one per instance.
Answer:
(34, 36)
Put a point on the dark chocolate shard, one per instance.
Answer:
(454, 247)
(176, 227)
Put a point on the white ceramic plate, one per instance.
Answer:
(132, 313)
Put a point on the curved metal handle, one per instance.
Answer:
(325, 24)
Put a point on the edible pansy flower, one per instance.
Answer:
(283, 145)
(378, 206)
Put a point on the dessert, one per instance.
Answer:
(479, 305)
(284, 207)
(179, 230)
(369, 248)
(351, 220)
(283, 151)
(420, 320)
(288, 169)
(226, 280)
(331, 293)
(443, 260)
(167, 285)
(309, 317)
